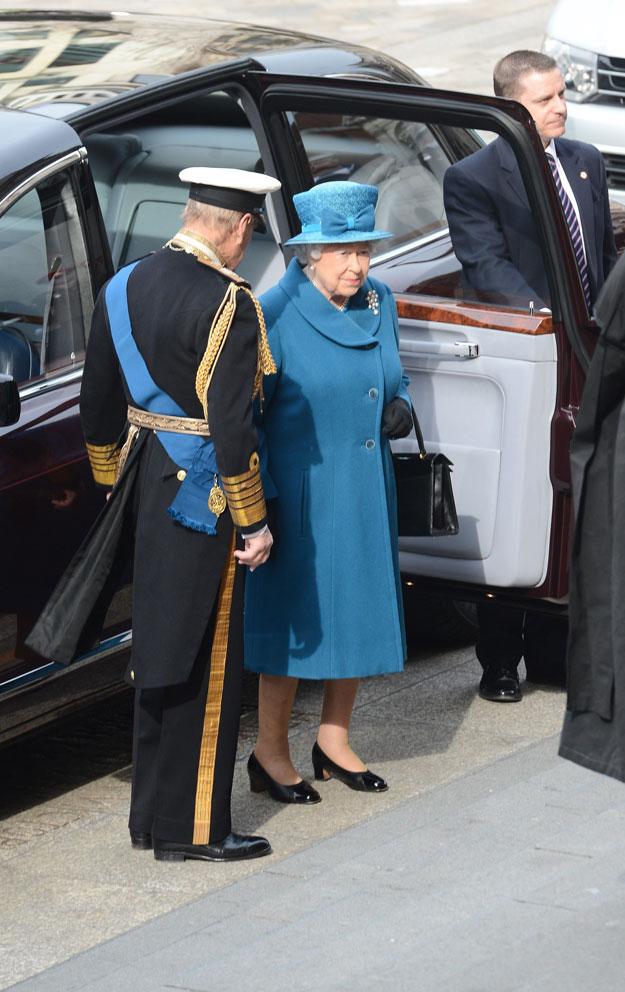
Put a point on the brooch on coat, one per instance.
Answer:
(373, 301)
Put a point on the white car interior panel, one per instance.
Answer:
(491, 415)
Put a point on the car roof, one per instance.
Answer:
(28, 138)
(58, 62)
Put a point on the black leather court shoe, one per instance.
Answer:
(360, 781)
(500, 685)
(261, 781)
(234, 847)
(140, 841)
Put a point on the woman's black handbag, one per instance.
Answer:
(425, 498)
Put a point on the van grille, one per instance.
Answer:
(615, 169)
(611, 79)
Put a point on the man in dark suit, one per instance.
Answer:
(177, 348)
(494, 236)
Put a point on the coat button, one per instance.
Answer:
(370, 444)
(181, 475)
(374, 393)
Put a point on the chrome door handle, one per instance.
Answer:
(440, 349)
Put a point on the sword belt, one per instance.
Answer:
(167, 422)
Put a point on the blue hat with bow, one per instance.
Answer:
(337, 212)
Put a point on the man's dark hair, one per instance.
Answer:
(511, 68)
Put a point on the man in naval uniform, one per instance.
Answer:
(178, 349)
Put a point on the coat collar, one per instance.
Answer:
(355, 327)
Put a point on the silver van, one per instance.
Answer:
(588, 43)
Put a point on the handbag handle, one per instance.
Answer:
(418, 432)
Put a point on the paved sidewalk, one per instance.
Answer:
(509, 879)
(72, 882)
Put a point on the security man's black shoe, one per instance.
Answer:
(234, 847)
(500, 684)
(141, 841)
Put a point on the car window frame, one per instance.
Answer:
(70, 161)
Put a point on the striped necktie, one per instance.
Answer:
(576, 234)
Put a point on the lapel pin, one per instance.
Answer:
(583, 174)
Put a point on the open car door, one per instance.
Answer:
(495, 382)
(53, 257)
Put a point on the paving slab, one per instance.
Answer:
(507, 879)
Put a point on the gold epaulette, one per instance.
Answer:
(103, 459)
(244, 494)
(220, 327)
(223, 270)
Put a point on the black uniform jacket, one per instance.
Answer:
(594, 731)
(172, 300)
(493, 230)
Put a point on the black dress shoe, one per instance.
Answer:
(141, 841)
(234, 847)
(500, 685)
(261, 781)
(361, 781)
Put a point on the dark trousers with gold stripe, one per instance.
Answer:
(185, 736)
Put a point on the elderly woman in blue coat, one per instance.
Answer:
(327, 605)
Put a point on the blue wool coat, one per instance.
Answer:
(327, 604)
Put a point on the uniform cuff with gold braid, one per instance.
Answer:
(103, 459)
(244, 494)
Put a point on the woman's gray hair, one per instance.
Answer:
(308, 253)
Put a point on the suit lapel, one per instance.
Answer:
(509, 165)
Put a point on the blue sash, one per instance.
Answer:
(193, 453)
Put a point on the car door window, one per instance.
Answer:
(136, 167)
(407, 161)
(404, 159)
(46, 298)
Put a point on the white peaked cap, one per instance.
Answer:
(235, 179)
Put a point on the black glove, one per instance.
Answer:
(396, 419)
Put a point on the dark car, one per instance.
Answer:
(99, 115)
